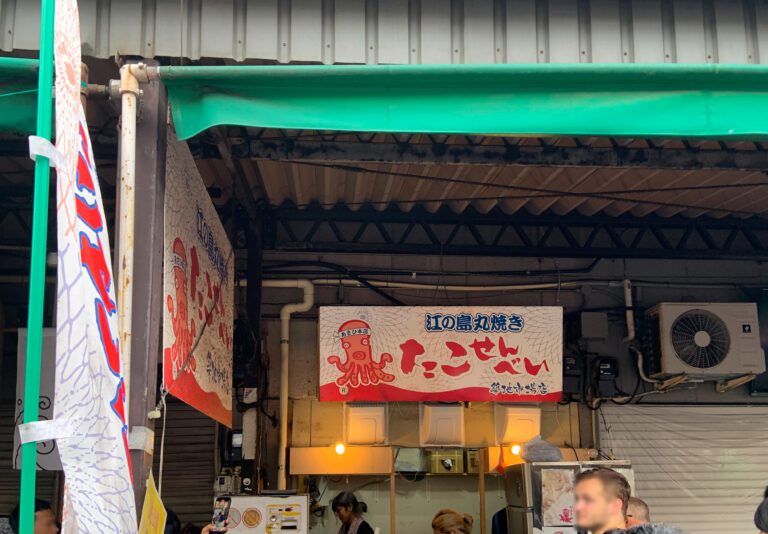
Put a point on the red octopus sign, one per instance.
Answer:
(503, 354)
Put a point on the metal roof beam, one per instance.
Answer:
(342, 230)
(292, 149)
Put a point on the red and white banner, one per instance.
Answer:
(450, 354)
(89, 404)
(198, 291)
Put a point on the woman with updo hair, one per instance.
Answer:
(350, 512)
(451, 522)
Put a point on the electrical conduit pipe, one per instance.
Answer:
(629, 304)
(285, 334)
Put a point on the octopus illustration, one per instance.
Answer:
(184, 329)
(359, 368)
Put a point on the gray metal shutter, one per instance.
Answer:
(701, 468)
(10, 478)
(189, 463)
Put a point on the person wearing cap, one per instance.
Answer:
(761, 514)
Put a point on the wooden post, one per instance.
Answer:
(482, 453)
(392, 495)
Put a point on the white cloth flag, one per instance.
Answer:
(90, 393)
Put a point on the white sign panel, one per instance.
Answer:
(450, 354)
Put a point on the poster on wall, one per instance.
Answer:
(448, 354)
(198, 291)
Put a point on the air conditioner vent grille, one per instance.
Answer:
(700, 339)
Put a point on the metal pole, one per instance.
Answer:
(129, 90)
(37, 267)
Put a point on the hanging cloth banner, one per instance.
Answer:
(89, 390)
(449, 354)
(198, 291)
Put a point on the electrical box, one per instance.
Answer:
(605, 373)
(594, 325)
(574, 370)
(472, 461)
(446, 462)
(411, 460)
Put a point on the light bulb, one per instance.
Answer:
(340, 448)
(516, 449)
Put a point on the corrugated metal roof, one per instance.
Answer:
(586, 190)
(412, 31)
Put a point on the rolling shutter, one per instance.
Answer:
(701, 468)
(189, 462)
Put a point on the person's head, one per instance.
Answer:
(637, 512)
(189, 528)
(172, 522)
(451, 522)
(347, 507)
(602, 496)
(45, 519)
(761, 514)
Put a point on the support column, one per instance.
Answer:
(147, 313)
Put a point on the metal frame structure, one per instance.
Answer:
(444, 232)
(296, 145)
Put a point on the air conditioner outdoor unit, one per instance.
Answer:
(705, 341)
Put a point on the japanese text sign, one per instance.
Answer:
(198, 292)
(449, 354)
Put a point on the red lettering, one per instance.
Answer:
(481, 348)
(456, 370)
(84, 141)
(507, 351)
(457, 350)
(89, 214)
(505, 367)
(84, 176)
(411, 349)
(95, 263)
(110, 345)
(533, 369)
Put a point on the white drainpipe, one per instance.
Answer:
(631, 333)
(285, 333)
(129, 92)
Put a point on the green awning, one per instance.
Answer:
(628, 100)
(18, 95)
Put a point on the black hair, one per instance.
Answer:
(40, 505)
(347, 499)
(172, 523)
